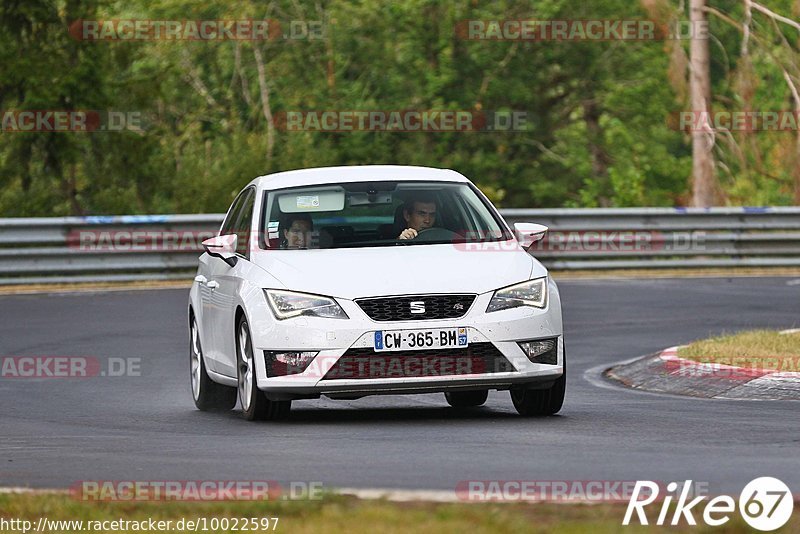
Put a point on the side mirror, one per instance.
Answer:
(529, 233)
(222, 247)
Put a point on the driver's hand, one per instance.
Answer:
(408, 233)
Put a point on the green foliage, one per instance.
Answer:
(597, 130)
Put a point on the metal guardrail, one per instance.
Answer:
(655, 238)
(71, 249)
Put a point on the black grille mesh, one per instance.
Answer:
(399, 308)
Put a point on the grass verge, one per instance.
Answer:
(80, 287)
(347, 514)
(755, 349)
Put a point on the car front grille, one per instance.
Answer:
(416, 307)
(478, 358)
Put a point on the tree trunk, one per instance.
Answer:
(796, 172)
(600, 158)
(703, 180)
(796, 166)
(265, 105)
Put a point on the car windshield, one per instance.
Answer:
(378, 214)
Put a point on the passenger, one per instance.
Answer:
(296, 231)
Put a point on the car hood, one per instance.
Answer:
(401, 270)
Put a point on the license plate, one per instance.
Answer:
(446, 338)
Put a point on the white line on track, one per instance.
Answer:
(395, 495)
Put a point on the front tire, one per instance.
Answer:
(255, 405)
(533, 402)
(466, 399)
(208, 395)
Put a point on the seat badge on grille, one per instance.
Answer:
(417, 306)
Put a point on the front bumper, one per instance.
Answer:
(335, 338)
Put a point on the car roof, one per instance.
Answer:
(355, 173)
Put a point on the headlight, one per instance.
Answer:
(530, 293)
(288, 304)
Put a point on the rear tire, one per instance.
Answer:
(533, 402)
(255, 405)
(208, 395)
(466, 399)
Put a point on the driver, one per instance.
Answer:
(419, 214)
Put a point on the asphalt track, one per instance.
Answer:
(54, 432)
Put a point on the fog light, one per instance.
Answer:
(287, 363)
(541, 350)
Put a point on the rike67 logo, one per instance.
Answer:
(765, 504)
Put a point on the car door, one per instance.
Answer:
(211, 268)
(226, 281)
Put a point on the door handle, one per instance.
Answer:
(213, 284)
(200, 279)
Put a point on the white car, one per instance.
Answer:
(371, 280)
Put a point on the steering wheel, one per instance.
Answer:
(435, 233)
